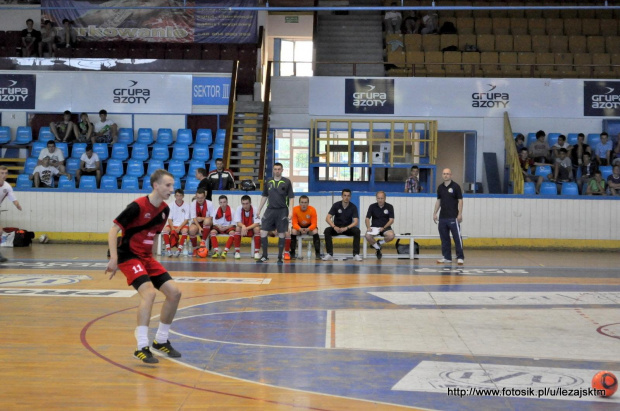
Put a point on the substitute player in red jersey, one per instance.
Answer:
(248, 225)
(140, 223)
(222, 224)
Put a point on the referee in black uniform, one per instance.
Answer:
(450, 200)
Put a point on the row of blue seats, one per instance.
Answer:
(592, 139)
(141, 152)
(109, 183)
(165, 136)
(544, 171)
(549, 188)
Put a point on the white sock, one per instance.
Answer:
(162, 333)
(375, 246)
(381, 242)
(142, 336)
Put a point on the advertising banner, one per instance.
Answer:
(17, 91)
(369, 96)
(169, 21)
(601, 98)
(210, 91)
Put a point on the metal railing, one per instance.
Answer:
(512, 158)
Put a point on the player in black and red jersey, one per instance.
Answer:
(140, 223)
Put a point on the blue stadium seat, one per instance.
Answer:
(543, 171)
(135, 168)
(571, 138)
(180, 152)
(140, 151)
(23, 135)
(606, 171)
(201, 153)
(160, 152)
(177, 183)
(220, 136)
(154, 165)
(23, 181)
(101, 149)
(5, 135)
(125, 136)
(593, 139)
(45, 134)
(78, 149)
(531, 137)
(145, 136)
(218, 151)
(37, 146)
(164, 136)
(72, 165)
(65, 183)
(109, 183)
(30, 164)
(88, 183)
(114, 168)
(191, 184)
(146, 185)
(130, 183)
(552, 138)
(64, 147)
(120, 151)
(177, 168)
(548, 188)
(193, 166)
(204, 136)
(184, 136)
(570, 189)
(529, 188)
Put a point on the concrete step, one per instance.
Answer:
(248, 107)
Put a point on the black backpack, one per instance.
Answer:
(404, 248)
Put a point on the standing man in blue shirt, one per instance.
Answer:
(450, 200)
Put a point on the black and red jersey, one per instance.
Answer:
(141, 221)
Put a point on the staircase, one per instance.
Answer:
(355, 37)
(246, 140)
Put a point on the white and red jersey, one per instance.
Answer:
(179, 213)
(200, 210)
(6, 191)
(247, 218)
(222, 217)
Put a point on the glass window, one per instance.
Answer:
(296, 58)
(293, 151)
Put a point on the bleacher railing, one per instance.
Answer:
(512, 158)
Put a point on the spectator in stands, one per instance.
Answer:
(559, 145)
(430, 23)
(305, 222)
(220, 178)
(603, 150)
(201, 176)
(248, 225)
(588, 168)
(105, 130)
(562, 168)
(596, 186)
(30, 39)
(616, 156)
(450, 200)
(613, 181)
(90, 165)
(519, 142)
(48, 39)
(412, 22)
(577, 152)
(412, 184)
(379, 220)
(342, 219)
(43, 174)
(67, 37)
(200, 217)
(6, 191)
(55, 156)
(539, 149)
(528, 168)
(177, 224)
(392, 21)
(62, 130)
(84, 130)
(223, 223)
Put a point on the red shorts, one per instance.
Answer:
(137, 267)
(225, 231)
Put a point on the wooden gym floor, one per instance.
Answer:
(375, 335)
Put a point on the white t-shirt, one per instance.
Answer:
(237, 218)
(179, 213)
(56, 155)
(221, 221)
(192, 209)
(91, 162)
(6, 191)
(104, 126)
(46, 174)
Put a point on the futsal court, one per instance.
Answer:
(313, 335)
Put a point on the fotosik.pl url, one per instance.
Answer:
(525, 392)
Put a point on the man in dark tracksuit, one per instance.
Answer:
(450, 200)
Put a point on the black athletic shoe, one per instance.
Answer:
(379, 254)
(3, 259)
(293, 256)
(145, 356)
(263, 259)
(280, 260)
(166, 348)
